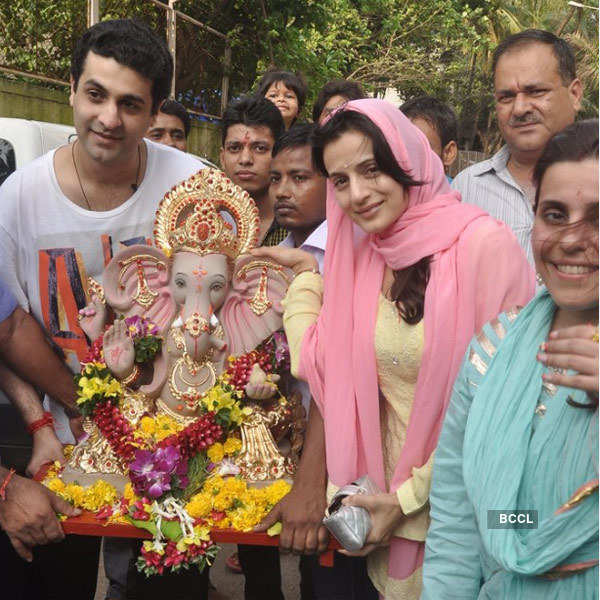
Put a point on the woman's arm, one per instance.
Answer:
(302, 305)
(304, 298)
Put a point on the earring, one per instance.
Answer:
(538, 279)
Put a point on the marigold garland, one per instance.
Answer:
(178, 486)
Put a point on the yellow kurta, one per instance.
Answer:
(398, 350)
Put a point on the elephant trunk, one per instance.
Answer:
(197, 333)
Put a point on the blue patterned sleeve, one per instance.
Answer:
(452, 568)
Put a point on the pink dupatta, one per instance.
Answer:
(477, 270)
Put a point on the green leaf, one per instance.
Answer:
(197, 474)
(170, 529)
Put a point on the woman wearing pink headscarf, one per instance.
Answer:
(410, 275)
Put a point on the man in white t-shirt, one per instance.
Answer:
(63, 216)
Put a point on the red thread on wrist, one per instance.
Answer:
(5, 483)
(45, 420)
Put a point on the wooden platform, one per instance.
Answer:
(88, 524)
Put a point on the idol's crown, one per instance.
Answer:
(207, 214)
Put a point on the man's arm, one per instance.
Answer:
(28, 514)
(46, 446)
(25, 349)
(302, 510)
(23, 346)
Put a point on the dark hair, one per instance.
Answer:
(408, 289)
(561, 49)
(297, 136)
(174, 108)
(336, 87)
(577, 142)
(252, 111)
(293, 81)
(132, 44)
(439, 115)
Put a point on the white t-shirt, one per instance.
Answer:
(49, 246)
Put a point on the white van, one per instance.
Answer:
(21, 141)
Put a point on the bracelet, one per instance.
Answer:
(5, 483)
(36, 425)
(311, 270)
(131, 378)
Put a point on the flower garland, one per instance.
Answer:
(183, 479)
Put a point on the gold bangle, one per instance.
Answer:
(131, 378)
(314, 270)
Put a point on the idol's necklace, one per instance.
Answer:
(134, 186)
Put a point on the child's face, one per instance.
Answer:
(447, 153)
(297, 190)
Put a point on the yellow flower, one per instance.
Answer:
(165, 426)
(232, 446)
(129, 494)
(199, 505)
(202, 533)
(75, 494)
(147, 425)
(55, 485)
(213, 484)
(232, 489)
(98, 495)
(215, 453)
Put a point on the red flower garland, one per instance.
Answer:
(116, 429)
(240, 369)
(197, 436)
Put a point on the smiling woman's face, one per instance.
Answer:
(372, 199)
(565, 233)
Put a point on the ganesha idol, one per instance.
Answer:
(209, 301)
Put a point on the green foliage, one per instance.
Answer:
(438, 47)
(197, 474)
(147, 348)
(170, 529)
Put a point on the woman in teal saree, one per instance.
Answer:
(521, 431)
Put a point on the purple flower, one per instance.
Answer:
(152, 472)
(282, 350)
(139, 327)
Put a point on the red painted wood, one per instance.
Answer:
(87, 524)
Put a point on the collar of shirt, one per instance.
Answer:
(497, 163)
(317, 239)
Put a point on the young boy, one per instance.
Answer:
(439, 124)
(250, 128)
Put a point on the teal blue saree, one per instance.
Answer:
(511, 442)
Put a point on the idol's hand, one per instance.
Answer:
(293, 258)
(386, 515)
(261, 386)
(301, 514)
(574, 348)
(46, 449)
(28, 515)
(119, 352)
(93, 317)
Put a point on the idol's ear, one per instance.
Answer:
(136, 282)
(253, 311)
